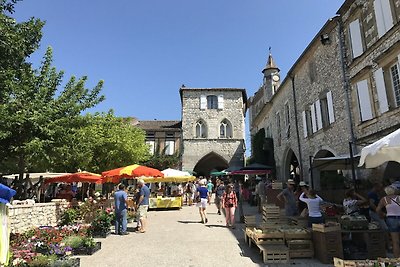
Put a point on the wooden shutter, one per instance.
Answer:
(331, 111)
(381, 89)
(319, 114)
(364, 100)
(383, 16)
(356, 39)
(220, 102)
(313, 120)
(304, 123)
(203, 102)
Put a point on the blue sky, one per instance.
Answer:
(144, 50)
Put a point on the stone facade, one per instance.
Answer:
(24, 217)
(204, 146)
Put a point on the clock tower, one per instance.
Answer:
(271, 77)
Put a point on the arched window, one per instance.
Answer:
(201, 129)
(212, 102)
(225, 129)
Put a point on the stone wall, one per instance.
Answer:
(24, 217)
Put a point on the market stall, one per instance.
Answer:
(161, 199)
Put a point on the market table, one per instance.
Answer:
(372, 241)
(160, 202)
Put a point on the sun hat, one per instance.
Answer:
(140, 181)
(391, 190)
(302, 183)
(290, 181)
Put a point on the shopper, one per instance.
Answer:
(202, 194)
(287, 195)
(210, 187)
(229, 202)
(392, 204)
(121, 220)
(313, 202)
(142, 206)
(352, 202)
(219, 192)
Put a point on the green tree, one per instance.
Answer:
(161, 161)
(99, 142)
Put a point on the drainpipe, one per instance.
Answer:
(346, 86)
(297, 126)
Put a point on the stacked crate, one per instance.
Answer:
(268, 237)
(250, 221)
(375, 241)
(299, 243)
(327, 242)
(274, 253)
(271, 213)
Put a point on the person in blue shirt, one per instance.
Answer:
(202, 195)
(121, 219)
(142, 206)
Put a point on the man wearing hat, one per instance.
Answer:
(287, 195)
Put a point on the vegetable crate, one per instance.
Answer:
(268, 238)
(250, 220)
(300, 249)
(353, 263)
(271, 212)
(296, 234)
(324, 228)
(274, 253)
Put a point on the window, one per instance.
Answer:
(225, 129)
(364, 101)
(287, 114)
(356, 38)
(318, 114)
(212, 102)
(169, 147)
(151, 144)
(201, 129)
(313, 119)
(324, 112)
(278, 127)
(268, 133)
(383, 16)
(394, 72)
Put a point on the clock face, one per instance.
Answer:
(275, 77)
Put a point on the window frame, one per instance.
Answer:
(212, 102)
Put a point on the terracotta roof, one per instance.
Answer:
(156, 125)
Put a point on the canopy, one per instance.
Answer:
(171, 176)
(36, 176)
(383, 150)
(84, 177)
(255, 169)
(131, 171)
(334, 163)
(6, 194)
(219, 173)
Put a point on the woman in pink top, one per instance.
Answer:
(392, 204)
(229, 202)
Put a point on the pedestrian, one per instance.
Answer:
(392, 204)
(373, 197)
(210, 187)
(142, 206)
(121, 220)
(301, 205)
(352, 202)
(219, 192)
(313, 202)
(288, 197)
(202, 195)
(261, 195)
(229, 202)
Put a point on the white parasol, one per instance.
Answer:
(383, 150)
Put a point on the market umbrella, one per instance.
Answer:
(6, 194)
(171, 176)
(84, 177)
(219, 173)
(131, 171)
(383, 150)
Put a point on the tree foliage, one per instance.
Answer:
(161, 161)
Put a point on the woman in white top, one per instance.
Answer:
(392, 204)
(313, 202)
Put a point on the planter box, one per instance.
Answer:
(87, 251)
(101, 234)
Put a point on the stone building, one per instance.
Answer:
(162, 136)
(213, 128)
(341, 94)
(307, 114)
(372, 37)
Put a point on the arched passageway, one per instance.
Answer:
(291, 167)
(210, 162)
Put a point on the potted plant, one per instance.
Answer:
(82, 245)
(100, 226)
(131, 216)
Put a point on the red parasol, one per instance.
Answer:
(131, 171)
(84, 177)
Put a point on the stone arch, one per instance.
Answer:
(200, 129)
(225, 129)
(319, 177)
(209, 162)
(291, 166)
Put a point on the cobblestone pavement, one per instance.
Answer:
(176, 238)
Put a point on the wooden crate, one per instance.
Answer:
(332, 227)
(259, 237)
(327, 246)
(274, 253)
(290, 235)
(301, 253)
(353, 263)
(300, 245)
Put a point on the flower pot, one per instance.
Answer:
(87, 251)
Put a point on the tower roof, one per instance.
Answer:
(271, 65)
